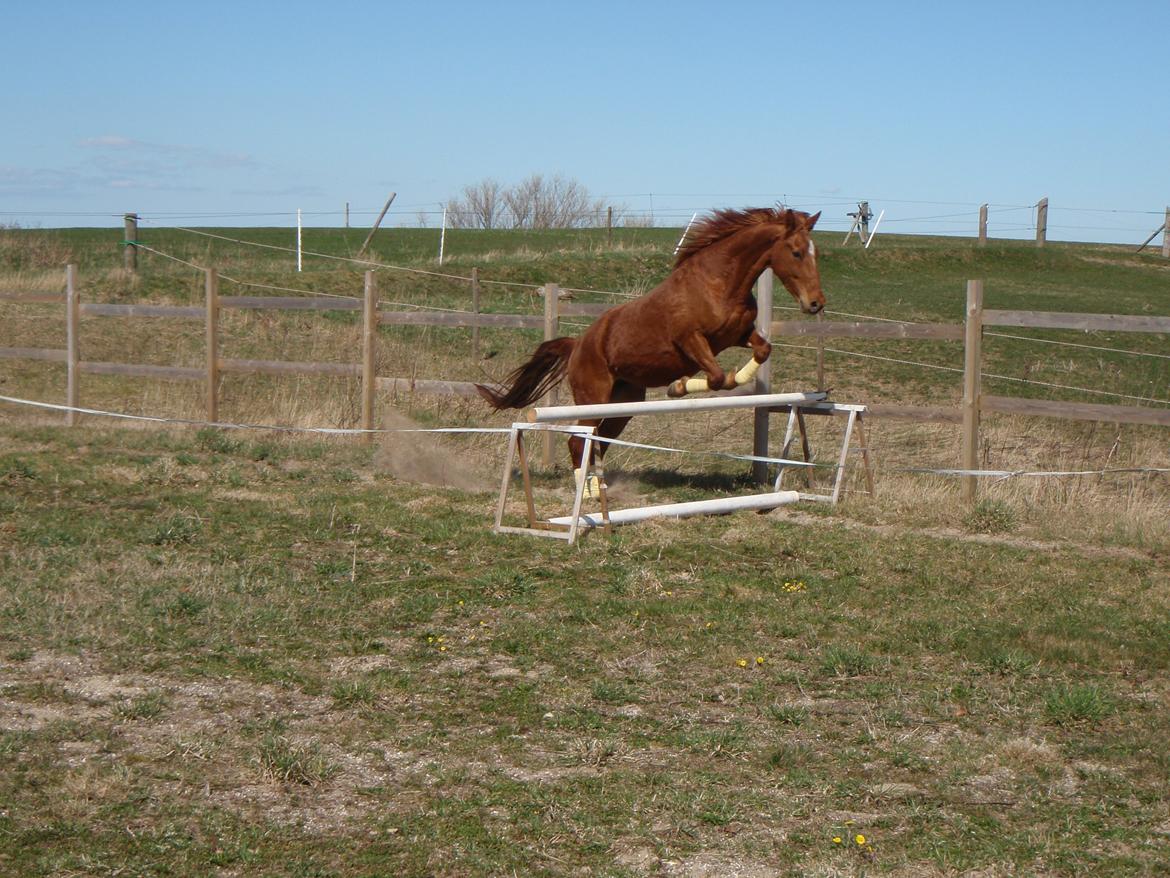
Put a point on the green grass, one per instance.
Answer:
(245, 653)
(275, 694)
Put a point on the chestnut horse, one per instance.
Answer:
(704, 306)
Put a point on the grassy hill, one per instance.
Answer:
(244, 652)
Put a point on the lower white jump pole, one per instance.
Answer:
(547, 414)
(716, 506)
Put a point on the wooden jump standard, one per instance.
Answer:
(551, 418)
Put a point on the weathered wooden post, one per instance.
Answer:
(763, 377)
(1041, 222)
(475, 310)
(369, 339)
(972, 384)
(983, 225)
(212, 326)
(130, 243)
(609, 226)
(552, 294)
(377, 222)
(72, 313)
(820, 354)
(1166, 236)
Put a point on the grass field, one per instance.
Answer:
(240, 653)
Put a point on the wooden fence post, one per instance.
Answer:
(475, 310)
(763, 377)
(552, 295)
(72, 313)
(1166, 236)
(972, 384)
(1041, 222)
(212, 285)
(130, 243)
(369, 339)
(820, 354)
(377, 222)
(982, 225)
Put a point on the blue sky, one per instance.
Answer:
(240, 113)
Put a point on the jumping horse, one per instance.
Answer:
(704, 306)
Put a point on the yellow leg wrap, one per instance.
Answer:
(699, 385)
(747, 373)
(592, 485)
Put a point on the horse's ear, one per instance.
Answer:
(791, 221)
(812, 220)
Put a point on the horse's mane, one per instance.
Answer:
(723, 223)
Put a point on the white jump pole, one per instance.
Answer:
(554, 413)
(874, 230)
(715, 506)
(686, 231)
(443, 236)
(298, 239)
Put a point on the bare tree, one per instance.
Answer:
(480, 207)
(536, 202)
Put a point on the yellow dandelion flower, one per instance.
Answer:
(709, 624)
(742, 663)
(759, 660)
(860, 839)
(836, 839)
(442, 649)
(430, 640)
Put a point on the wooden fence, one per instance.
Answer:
(967, 414)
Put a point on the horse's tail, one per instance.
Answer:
(534, 379)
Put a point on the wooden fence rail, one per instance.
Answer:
(970, 332)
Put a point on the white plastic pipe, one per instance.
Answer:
(715, 506)
(298, 239)
(443, 236)
(547, 414)
(874, 230)
(686, 232)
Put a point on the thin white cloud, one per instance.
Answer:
(109, 141)
(180, 156)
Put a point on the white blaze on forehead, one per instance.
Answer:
(812, 249)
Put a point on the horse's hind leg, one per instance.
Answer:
(608, 428)
(611, 428)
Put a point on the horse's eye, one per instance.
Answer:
(799, 254)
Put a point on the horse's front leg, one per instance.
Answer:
(761, 347)
(696, 347)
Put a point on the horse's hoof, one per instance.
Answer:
(677, 389)
(592, 489)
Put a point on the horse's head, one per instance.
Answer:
(794, 261)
